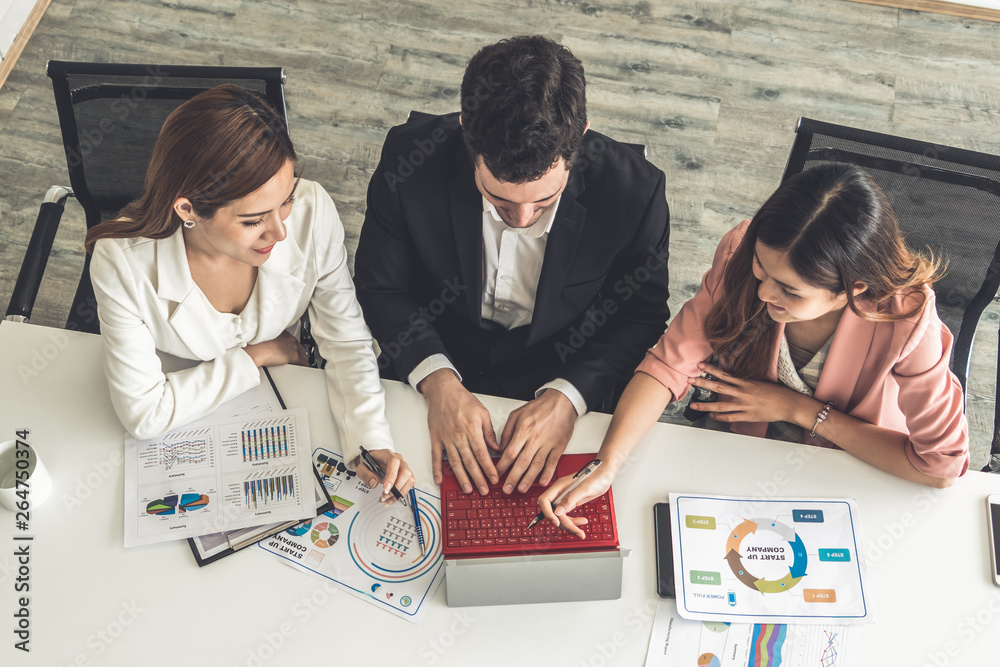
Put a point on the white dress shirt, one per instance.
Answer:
(149, 303)
(512, 265)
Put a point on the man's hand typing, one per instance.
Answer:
(534, 438)
(461, 429)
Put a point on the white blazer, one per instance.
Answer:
(148, 302)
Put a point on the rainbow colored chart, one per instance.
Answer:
(767, 642)
(264, 442)
(339, 505)
(676, 642)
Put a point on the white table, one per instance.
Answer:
(94, 602)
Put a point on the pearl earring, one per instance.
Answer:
(189, 223)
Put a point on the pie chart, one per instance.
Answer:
(709, 660)
(324, 535)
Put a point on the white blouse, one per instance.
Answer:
(148, 303)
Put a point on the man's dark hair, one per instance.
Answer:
(524, 106)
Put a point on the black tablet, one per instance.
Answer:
(664, 551)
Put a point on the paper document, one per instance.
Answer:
(215, 546)
(777, 560)
(220, 473)
(677, 641)
(364, 547)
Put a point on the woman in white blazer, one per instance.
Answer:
(217, 262)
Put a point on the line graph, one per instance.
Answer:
(186, 453)
(829, 658)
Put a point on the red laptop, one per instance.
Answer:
(497, 524)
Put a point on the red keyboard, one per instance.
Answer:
(497, 524)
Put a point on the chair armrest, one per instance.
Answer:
(30, 276)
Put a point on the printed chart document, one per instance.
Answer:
(212, 547)
(677, 641)
(219, 473)
(779, 560)
(364, 547)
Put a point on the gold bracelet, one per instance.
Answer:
(821, 417)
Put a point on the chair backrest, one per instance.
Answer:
(110, 115)
(947, 199)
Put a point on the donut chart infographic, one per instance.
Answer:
(385, 546)
(768, 560)
(364, 547)
(796, 571)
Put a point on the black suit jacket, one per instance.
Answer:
(601, 299)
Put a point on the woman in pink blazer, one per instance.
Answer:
(821, 269)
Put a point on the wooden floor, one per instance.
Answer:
(712, 87)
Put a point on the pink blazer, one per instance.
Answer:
(891, 374)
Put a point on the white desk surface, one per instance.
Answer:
(95, 603)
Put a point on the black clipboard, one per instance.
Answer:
(210, 548)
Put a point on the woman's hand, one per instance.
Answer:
(397, 474)
(748, 400)
(596, 484)
(278, 351)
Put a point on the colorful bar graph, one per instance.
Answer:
(264, 443)
(262, 491)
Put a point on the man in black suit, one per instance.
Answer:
(509, 251)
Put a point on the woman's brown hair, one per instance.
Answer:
(215, 148)
(837, 229)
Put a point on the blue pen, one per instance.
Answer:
(416, 521)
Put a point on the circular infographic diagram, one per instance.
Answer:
(709, 660)
(384, 544)
(784, 533)
(324, 535)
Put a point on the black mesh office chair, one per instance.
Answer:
(945, 198)
(110, 116)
